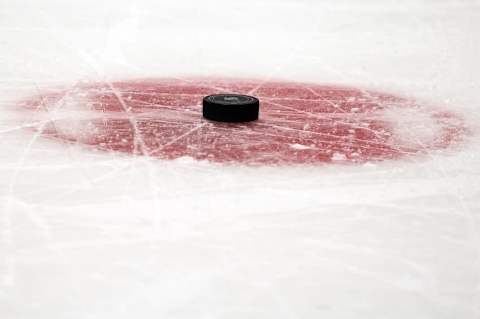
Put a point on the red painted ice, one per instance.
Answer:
(299, 123)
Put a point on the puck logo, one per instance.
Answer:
(230, 99)
(233, 99)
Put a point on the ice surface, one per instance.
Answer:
(92, 234)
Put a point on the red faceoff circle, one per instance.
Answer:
(299, 123)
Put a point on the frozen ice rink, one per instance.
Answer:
(356, 195)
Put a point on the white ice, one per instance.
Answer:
(97, 235)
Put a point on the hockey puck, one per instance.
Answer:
(231, 108)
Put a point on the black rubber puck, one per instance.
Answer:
(231, 108)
